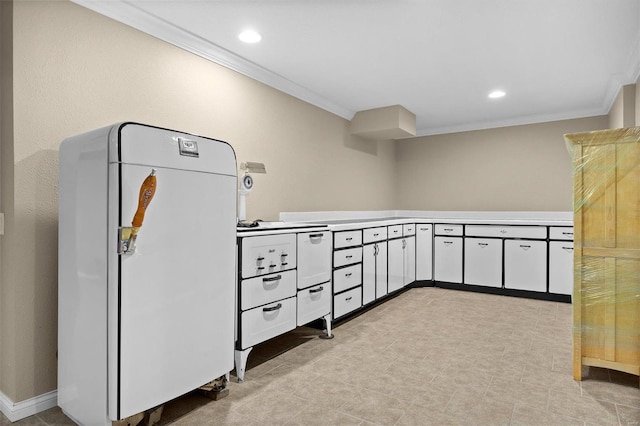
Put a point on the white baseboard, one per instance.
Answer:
(15, 411)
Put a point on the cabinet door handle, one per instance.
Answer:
(424, 229)
(376, 249)
(260, 259)
(316, 290)
(348, 275)
(312, 236)
(273, 308)
(260, 268)
(284, 263)
(567, 248)
(270, 279)
(348, 299)
(284, 255)
(404, 244)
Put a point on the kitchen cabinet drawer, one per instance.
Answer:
(483, 262)
(314, 303)
(561, 267)
(395, 231)
(347, 302)
(266, 289)
(347, 256)
(314, 258)
(373, 235)
(408, 229)
(525, 265)
(263, 323)
(506, 231)
(347, 239)
(348, 277)
(441, 229)
(267, 254)
(561, 233)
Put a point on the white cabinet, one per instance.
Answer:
(374, 271)
(401, 263)
(561, 267)
(448, 259)
(314, 258)
(483, 262)
(525, 265)
(424, 251)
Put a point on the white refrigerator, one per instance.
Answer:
(143, 320)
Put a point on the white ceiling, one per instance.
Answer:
(556, 59)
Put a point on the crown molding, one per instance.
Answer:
(129, 14)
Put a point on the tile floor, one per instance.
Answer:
(427, 356)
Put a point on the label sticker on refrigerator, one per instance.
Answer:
(188, 147)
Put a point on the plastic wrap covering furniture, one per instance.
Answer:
(606, 295)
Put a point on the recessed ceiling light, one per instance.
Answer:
(497, 94)
(250, 36)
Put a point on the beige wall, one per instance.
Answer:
(519, 168)
(637, 107)
(623, 110)
(74, 71)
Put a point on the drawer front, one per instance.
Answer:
(348, 277)
(268, 254)
(314, 303)
(561, 233)
(347, 302)
(267, 289)
(506, 231)
(265, 322)
(441, 229)
(347, 239)
(395, 231)
(314, 258)
(408, 229)
(373, 235)
(347, 256)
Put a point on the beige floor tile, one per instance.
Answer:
(435, 396)
(475, 409)
(629, 416)
(423, 416)
(550, 379)
(380, 408)
(518, 393)
(612, 392)
(323, 416)
(271, 407)
(582, 407)
(525, 415)
(54, 416)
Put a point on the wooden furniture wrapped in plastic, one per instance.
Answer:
(606, 296)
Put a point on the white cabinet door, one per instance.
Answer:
(483, 262)
(369, 272)
(525, 265)
(448, 259)
(381, 270)
(424, 252)
(561, 267)
(314, 258)
(395, 271)
(409, 260)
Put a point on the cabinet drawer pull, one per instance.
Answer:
(273, 308)
(349, 238)
(349, 256)
(567, 233)
(284, 263)
(567, 248)
(448, 229)
(483, 244)
(276, 278)
(260, 268)
(348, 275)
(448, 242)
(424, 229)
(260, 259)
(395, 231)
(375, 235)
(503, 231)
(316, 290)
(348, 299)
(315, 236)
(284, 255)
(524, 246)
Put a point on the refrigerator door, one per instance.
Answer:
(171, 326)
